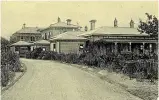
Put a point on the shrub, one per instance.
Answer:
(35, 53)
(134, 65)
(28, 54)
(141, 69)
(9, 63)
(45, 55)
(71, 58)
(4, 75)
(130, 68)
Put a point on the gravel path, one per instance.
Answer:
(49, 80)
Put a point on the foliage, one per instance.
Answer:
(4, 44)
(9, 63)
(138, 66)
(35, 53)
(150, 26)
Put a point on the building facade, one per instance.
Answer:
(67, 38)
(121, 40)
(23, 39)
(29, 34)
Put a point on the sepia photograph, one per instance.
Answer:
(79, 50)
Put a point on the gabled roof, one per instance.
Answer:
(72, 35)
(42, 42)
(115, 31)
(22, 43)
(29, 30)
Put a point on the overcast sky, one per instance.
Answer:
(42, 14)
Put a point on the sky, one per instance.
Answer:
(41, 14)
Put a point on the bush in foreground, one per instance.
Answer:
(135, 66)
(9, 63)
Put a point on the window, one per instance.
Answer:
(54, 47)
(45, 37)
(32, 38)
(21, 37)
(49, 35)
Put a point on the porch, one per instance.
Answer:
(104, 46)
(21, 47)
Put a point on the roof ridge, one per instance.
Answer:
(64, 23)
(118, 27)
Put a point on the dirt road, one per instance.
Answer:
(49, 80)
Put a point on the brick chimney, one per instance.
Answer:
(115, 23)
(58, 19)
(92, 23)
(132, 24)
(68, 21)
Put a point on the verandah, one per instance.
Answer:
(102, 47)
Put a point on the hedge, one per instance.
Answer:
(135, 66)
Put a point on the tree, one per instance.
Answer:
(4, 44)
(150, 26)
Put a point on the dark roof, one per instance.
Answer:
(29, 30)
(117, 31)
(72, 35)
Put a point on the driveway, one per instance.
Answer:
(50, 80)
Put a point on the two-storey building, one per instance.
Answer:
(58, 28)
(29, 34)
